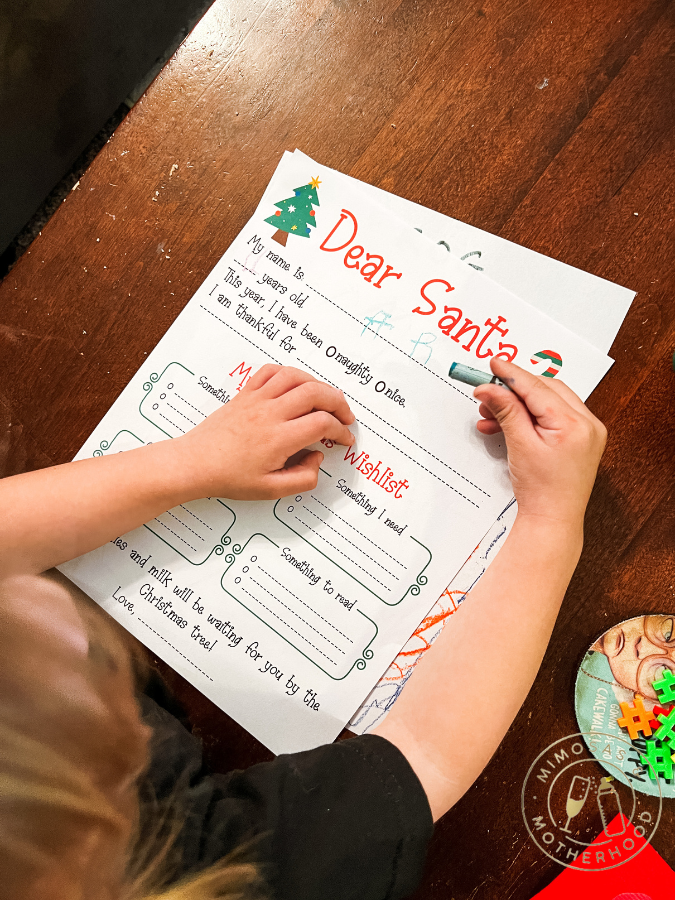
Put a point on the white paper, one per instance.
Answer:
(387, 691)
(592, 307)
(286, 614)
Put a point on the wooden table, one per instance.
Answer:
(549, 123)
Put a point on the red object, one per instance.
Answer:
(632, 896)
(278, 212)
(644, 877)
(659, 711)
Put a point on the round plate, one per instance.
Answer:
(622, 664)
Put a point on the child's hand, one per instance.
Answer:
(554, 443)
(245, 449)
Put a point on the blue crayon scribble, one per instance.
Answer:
(375, 324)
(421, 343)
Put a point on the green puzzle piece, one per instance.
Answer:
(665, 687)
(658, 760)
(666, 731)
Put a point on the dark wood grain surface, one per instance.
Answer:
(442, 103)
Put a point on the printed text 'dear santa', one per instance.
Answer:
(342, 236)
(468, 331)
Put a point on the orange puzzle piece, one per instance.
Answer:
(635, 718)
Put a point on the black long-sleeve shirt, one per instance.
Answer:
(346, 821)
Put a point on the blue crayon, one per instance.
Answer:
(474, 377)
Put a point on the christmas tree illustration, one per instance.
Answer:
(295, 214)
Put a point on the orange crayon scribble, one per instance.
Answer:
(419, 643)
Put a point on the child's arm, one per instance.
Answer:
(488, 657)
(241, 451)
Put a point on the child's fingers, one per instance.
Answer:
(261, 377)
(315, 426)
(545, 403)
(557, 385)
(316, 395)
(506, 407)
(569, 396)
(301, 476)
(284, 380)
(485, 411)
(488, 426)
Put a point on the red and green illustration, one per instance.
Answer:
(295, 214)
(555, 360)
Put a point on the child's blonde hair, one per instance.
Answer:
(72, 750)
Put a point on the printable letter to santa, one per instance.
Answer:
(286, 613)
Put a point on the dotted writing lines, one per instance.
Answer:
(196, 409)
(182, 431)
(169, 513)
(421, 466)
(181, 414)
(240, 334)
(316, 499)
(348, 541)
(288, 626)
(304, 621)
(196, 517)
(173, 648)
(159, 522)
(305, 604)
(314, 531)
(245, 267)
(459, 474)
(382, 337)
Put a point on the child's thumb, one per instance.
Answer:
(506, 407)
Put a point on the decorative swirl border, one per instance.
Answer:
(225, 541)
(148, 386)
(366, 654)
(217, 550)
(236, 550)
(413, 589)
(106, 445)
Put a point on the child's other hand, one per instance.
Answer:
(251, 448)
(554, 443)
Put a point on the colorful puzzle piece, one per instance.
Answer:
(658, 760)
(635, 719)
(665, 687)
(659, 711)
(666, 730)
